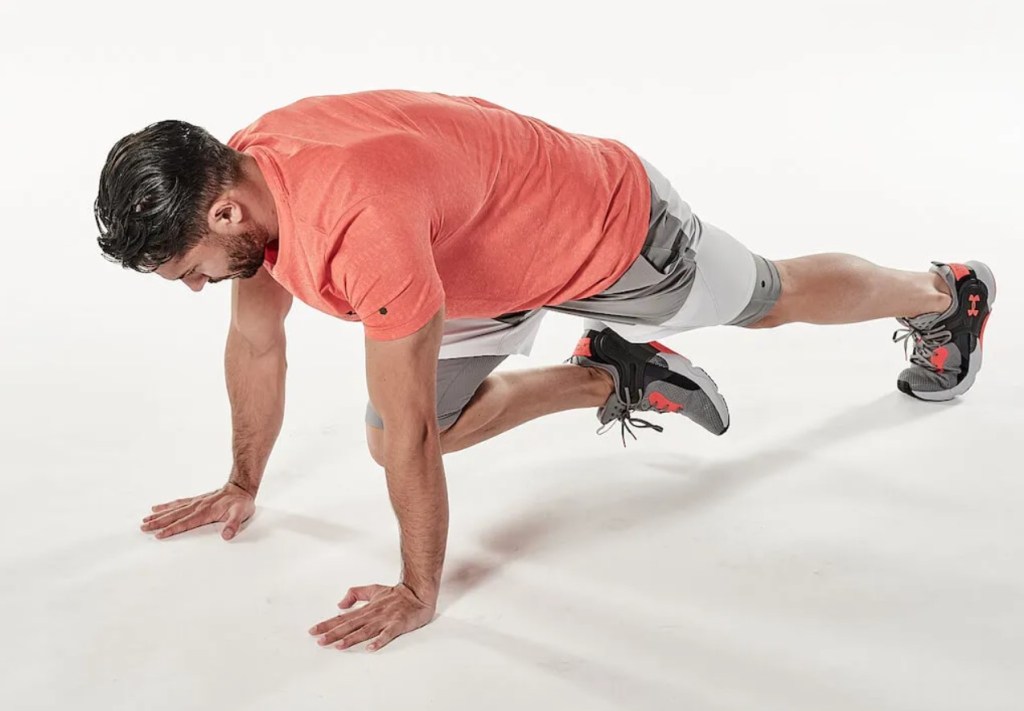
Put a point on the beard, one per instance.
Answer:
(245, 253)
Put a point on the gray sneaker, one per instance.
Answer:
(650, 377)
(947, 346)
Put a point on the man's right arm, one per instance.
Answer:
(255, 365)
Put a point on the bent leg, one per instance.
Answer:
(842, 288)
(458, 379)
(474, 404)
(506, 400)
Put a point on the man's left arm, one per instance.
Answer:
(401, 376)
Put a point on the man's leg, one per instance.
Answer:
(820, 289)
(474, 404)
(505, 400)
(943, 313)
(842, 288)
(732, 286)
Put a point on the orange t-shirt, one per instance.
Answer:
(392, 203)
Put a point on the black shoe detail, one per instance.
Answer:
(629, 359)
(966, 322)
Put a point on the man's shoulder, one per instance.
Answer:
(381, 165)
(334, 117)
(394, 153)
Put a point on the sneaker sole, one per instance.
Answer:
(673, 393)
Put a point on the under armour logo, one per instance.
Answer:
(974, 299)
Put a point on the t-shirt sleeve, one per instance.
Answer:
(385, 267)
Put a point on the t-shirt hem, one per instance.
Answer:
(393, 333)
(642, 226)
(644, 220)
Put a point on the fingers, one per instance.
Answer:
(363, 593)
(347, 631)
(178, 503)
(389, 613)
(345, 617)
(386, 635)
(341, 626)
(154, 522)
(197, 511)
(193, 520)
(360, 635)
(235, 518)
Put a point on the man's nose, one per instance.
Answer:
(197, 283)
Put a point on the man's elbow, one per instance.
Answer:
(259, 343)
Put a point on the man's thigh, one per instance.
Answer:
(732, 287)
(470, 350)
(689, 274)
(457, 381)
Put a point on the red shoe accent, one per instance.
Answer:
(984, 325)
(939, 358)
(974, 299)
(663, 403)
(582, 348)
(960, 270)
(661, 348)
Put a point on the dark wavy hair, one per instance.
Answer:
(155, 190)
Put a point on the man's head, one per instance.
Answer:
(176, 201)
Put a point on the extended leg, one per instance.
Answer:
(943, 312)
(842, 288)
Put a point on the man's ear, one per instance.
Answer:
(224, 212)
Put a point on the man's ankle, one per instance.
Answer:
(602, 381)
(942, 295)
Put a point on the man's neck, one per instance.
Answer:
(265, 211)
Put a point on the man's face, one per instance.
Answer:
(237, 254)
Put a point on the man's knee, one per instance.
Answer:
(770, 320)
(375, 439)
(782, 296)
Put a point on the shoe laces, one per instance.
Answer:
(927, 339)
(625, 418)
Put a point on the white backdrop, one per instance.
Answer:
(843, 547)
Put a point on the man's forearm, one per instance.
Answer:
(256, 384)
(419, 495)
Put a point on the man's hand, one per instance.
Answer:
(389, 612)
(230, 504)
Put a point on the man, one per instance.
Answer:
(447, 226)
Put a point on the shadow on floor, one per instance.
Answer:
(273, 520)
(593, 513)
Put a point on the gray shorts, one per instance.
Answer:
(689, 274)
(457, 381)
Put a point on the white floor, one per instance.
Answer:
(842, 547)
